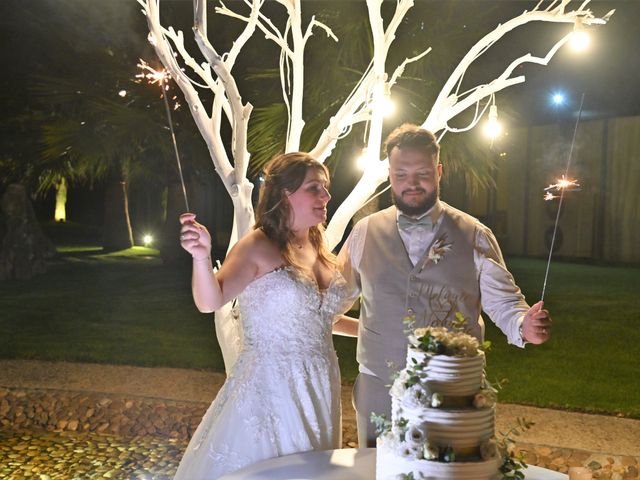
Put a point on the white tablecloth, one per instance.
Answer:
(344, 464)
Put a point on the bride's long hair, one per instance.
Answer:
(285, 174)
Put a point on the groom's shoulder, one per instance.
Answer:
(460, 217)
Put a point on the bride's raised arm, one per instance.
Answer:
(211, 290)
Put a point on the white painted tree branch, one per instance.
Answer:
(442, 111)
(400, 68)
(374, 175)
(165, 54)
(296, 119)
(377, 171)
(274, 34)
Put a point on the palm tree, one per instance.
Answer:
(73, 63)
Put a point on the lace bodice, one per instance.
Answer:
(284, 311)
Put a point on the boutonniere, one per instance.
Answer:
(437, 251)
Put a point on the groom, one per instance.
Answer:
(424, 259)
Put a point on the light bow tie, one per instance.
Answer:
(408, 223)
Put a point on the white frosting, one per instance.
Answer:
(389, 466)
(454, 376)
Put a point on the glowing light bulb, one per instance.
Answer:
(147, 240)
(580, 39)
(382, 101)
(558, 98)
(364, 160)
(492, 128)
(388, 107)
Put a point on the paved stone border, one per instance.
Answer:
(160, 420)
(604, 467)
(98, 413)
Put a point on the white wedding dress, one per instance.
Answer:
(282, 395)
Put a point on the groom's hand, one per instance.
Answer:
(536, 327)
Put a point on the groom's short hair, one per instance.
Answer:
(409, 135)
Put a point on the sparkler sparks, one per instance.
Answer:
(153, 76)
(564, 184)
(561, 185)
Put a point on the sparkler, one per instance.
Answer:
(562, 185)
(161, 77)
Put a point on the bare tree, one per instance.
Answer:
(361, 106)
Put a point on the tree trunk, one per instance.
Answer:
(117, 233)
(23, 246)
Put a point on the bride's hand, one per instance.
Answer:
(194, 237)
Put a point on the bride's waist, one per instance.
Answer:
(284, 348)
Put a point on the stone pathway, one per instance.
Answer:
(80, 456)
(80, 421)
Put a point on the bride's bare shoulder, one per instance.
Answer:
(257, 248)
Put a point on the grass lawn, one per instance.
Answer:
(592, 361)
(128, 308)
(121, 308)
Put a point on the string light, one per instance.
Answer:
(492, 128)
(580, 39)
(364, 160)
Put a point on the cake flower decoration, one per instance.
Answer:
(489, 449)
(431, 452)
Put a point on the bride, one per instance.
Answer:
(283, 394)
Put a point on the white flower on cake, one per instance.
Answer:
(489, 449)
(399, 384)
(440, 341)
(415, 436)
(430, 452)
(436, 400)
(464, 346)
(438, 333)
(479, 400)
(406, 450)
(416, 397)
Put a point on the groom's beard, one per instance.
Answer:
(419, 209)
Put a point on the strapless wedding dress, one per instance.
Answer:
(283, 394)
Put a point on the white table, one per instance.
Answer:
(344, 464)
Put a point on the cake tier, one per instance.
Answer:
(450, 376)
(389, 465)
(461, 429)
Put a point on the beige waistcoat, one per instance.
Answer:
(430, 292)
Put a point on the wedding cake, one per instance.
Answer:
(442, 415)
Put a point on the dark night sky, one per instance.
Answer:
(608, 73)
